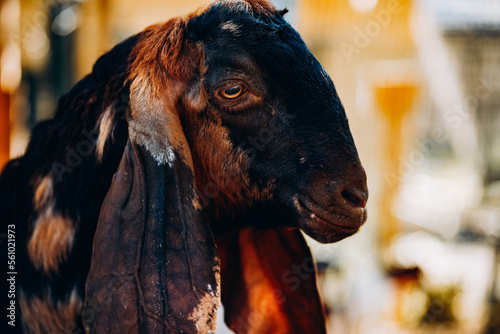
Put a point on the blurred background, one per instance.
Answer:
(420, 82)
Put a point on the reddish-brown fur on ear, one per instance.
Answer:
(163, 61)
(164, 52)
(269, 282)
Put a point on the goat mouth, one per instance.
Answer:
(327, 226)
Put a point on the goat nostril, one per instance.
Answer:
(357, 197)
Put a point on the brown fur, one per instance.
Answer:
(50, 241)
(231, 189)
(263, 296)
(164, 61)
(205, 321)
(43, 193)
(53, 234)
(164, 52)
(41, 316)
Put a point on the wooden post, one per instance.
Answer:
(394, 101)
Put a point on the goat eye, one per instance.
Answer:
(232, 92)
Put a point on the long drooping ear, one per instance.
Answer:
(269, 282)
(154, 266)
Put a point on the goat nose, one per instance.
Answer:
(356, 196)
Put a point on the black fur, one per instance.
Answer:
(60, 147)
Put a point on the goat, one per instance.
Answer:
(177, 175)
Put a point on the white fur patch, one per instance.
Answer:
(157, 145)
(149, 124)
(105, 127)
(210, 290)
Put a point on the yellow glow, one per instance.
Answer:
(10, 63)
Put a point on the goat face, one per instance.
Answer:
(266, 127)
(227, 100)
